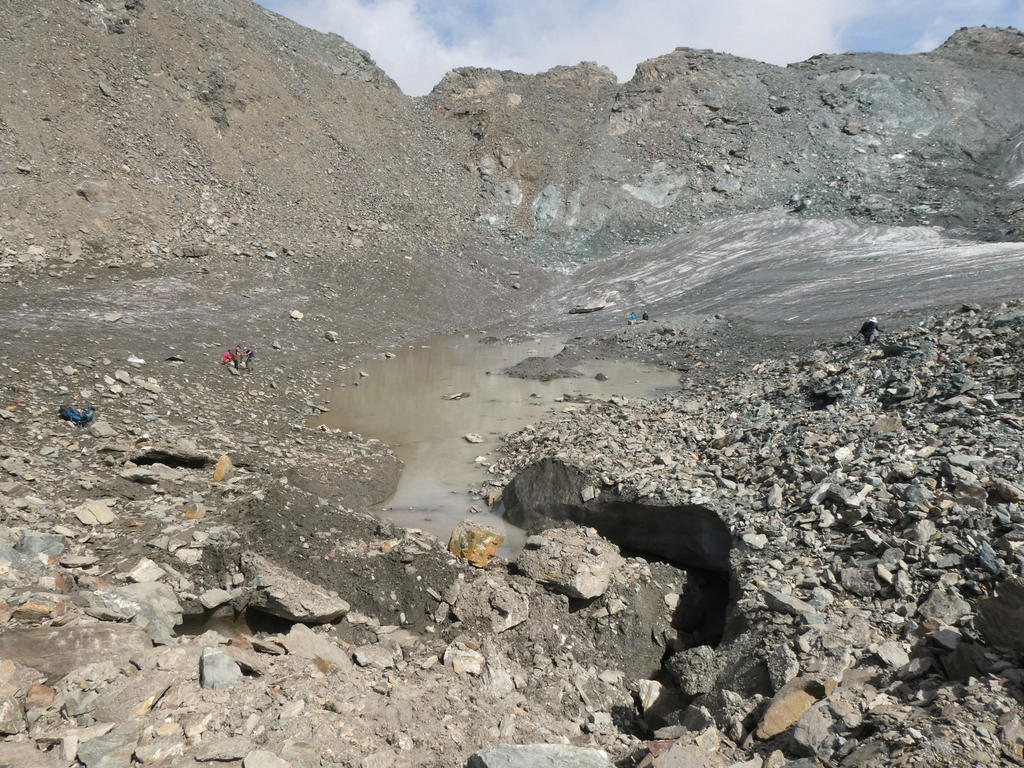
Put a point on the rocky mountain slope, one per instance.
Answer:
(135, 130)
(196, 578)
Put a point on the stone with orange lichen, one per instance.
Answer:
(475, 543)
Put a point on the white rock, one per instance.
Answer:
(146, 571)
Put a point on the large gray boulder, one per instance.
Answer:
(151, 605)
(1000, 618)
(218, 670)
(281, 593)
(573, 561)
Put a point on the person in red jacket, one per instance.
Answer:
(229, 357)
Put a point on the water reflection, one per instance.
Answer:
(402, 402)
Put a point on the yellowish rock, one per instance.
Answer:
(789, 705)
(476, 543)
(225, 469)
(195, 510)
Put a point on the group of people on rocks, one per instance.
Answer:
(239, 359)
(633, 317)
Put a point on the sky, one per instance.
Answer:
(417, 41)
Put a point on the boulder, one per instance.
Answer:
(695, 669)
(303, 642)
(474, 542)
(113, 749)
(944, 607)
(218, 670)
(573, 561)
(789, 705)
(224, 470)
(281, 593)
(1000, 619)
(150, 605)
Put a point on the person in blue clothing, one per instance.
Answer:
(632, 317)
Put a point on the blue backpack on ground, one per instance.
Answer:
(77, 416)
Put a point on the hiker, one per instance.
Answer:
(632, 317)
(239, 358)
(646, 317)
(250, 356)
(229, 357)
(870, 330)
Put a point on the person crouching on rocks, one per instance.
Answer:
(228, 358)
(870, 331)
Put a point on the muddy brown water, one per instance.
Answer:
(402, 402)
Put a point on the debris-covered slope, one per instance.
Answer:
(874, 494)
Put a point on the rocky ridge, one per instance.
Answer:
(158, 132)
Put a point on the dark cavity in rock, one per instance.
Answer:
(171, 459)
(693, 537)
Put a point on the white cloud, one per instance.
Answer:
(417, 41)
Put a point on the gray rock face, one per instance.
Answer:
(218, 670)
(538, 756)
(283, 594)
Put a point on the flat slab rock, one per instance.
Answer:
(574, 561)
(538, 756)
(55, 651)
(283, 594)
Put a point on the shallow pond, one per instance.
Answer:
(402, 402)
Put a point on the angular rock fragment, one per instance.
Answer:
(1000, 618)
(474, 542)
(218, 670)
(574, 561)
(224, 470)
(281, 593)
(789, 704)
